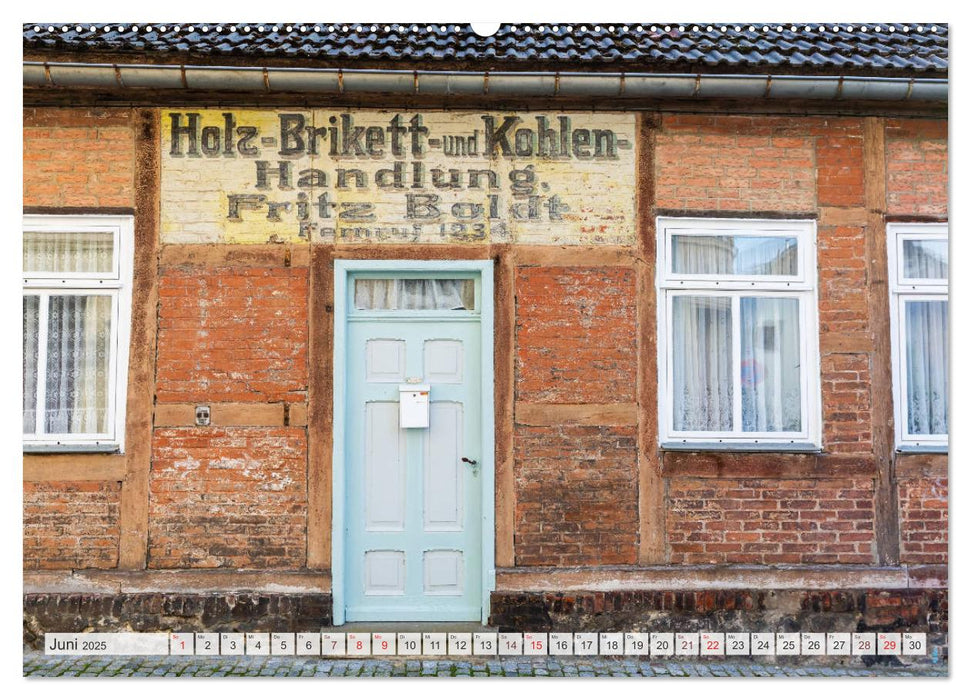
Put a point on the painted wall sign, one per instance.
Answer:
(249, 176)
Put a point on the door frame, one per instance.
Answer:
(343, 269)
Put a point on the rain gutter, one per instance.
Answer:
(339, 81)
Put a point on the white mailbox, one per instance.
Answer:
(413, 405)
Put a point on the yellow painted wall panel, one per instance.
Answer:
(258, 176)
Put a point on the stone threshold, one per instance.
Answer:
(719, 577)
(524, 579)
(177, 581)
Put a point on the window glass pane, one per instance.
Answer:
(925, 259)
(770, 367)
(701, 355)
(926, 358)
(31, 325)
(734, 255)
(78, 353)
(414, 294)
(46, 251)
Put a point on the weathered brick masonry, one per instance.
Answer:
(150, 612)
(575, 334)
(917, 167)
(576, 489)
(71, 525)
(717, 163)
(732, 610)
(78, 157)
(576, 486)
(732, 164)
(767, 521)
(923, 520)
(846, 402)
(232, 497)
(75, 158)
(232, 334)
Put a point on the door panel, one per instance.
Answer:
(444, 470)
(444, 361)
(385, 360)
(384, 572)
(413, 508)
(384, 462)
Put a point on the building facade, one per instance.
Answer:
(567, 328)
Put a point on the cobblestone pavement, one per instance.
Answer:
(39, 665)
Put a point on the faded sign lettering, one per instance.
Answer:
(250, 176)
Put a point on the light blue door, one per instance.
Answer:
(413, 525)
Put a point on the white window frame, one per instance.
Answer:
(903, 290)
(802, 286)
(118, 285)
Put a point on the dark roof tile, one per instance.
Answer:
(915, 48)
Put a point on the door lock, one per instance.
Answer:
(472, 463)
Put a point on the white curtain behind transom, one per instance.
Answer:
(414, 294)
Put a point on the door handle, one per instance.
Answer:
(472, 463)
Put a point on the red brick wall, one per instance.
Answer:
(839, 161)
(841, 259)
(71, 525)
(232, 335)
(917, 167)
(237, 497)
(923, 521)
(847, 417)
(232, 497)
(576, 495)
(764, 521)
(575, 335)
(736, 163)
(844, 310)
(78, 158)
(723, 163)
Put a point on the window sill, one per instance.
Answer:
(100, 448)
(741, 447)
(922, 449)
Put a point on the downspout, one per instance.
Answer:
(338, 81)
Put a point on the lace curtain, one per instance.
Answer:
(414, 294)
(76, 364)
(702, 356)
(57, 251)
(926, 366)
(31, 322)
(771, 388)
(76, 354)
(706, 374)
